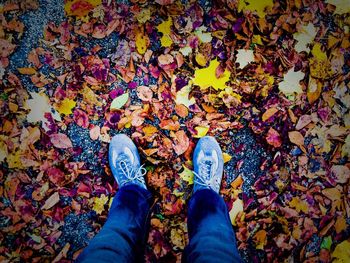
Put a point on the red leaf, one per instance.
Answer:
(273, 138)
(60, 140)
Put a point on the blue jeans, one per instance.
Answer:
(124, 234)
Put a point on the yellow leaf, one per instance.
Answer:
(141, 43)
(14, 160)
(253, 5)
(342, 6)
(320, 66)
(66, 106)
(299, 205)
(237, 207)
(341, 253)
(226, 157)
(182, 97)
(186, 175)
(206, 77)
(314, 90)
(201, 131)
(99, 203)
(201, 60)
(149, 130)
(260, 239)
(80, 8)
(27, 71)
(165, 29)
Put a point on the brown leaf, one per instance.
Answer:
(181, 142)
(51, 201)
(61, 141)
(303, 121)
(144, 93)
(269, 113)
(296, 138)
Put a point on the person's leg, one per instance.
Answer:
(212, 238)
(122, 237)
(211, 235)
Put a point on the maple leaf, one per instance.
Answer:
(253, 5)
(99, 204)
(165, 29)
(39, 106)
(244, 57)
(206, 77)
(304, 37)
(290, 84)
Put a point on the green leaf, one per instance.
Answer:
(120, 101)
(326, 243)
(187, 175)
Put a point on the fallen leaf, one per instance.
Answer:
(165, 29)
(182, 97)
(144, 93)
(51, 201)
(237, 207)
(269, 113)
(201, 131)
(119, 101)
(258, 6)
(181, 142)
(296, 138)
(290, 84)
(341, 253)
(304, 37)
(342, 6)
(65, 106)
(226, 157)
(187, 175)
(244, 57)
(95, 133)
(141, 42)
(273, 138)
(27, 71)
(99, 204)
(206, 77)
(61, 140)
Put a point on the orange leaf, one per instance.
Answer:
(27, 71)
(269, 113)
(296, 138)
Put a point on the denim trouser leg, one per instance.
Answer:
(122, 237)
(211, 235)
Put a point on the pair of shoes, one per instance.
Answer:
(125, 164)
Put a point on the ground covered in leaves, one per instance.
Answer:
(269, 79)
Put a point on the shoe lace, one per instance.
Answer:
(206, 177)
(130, 172)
